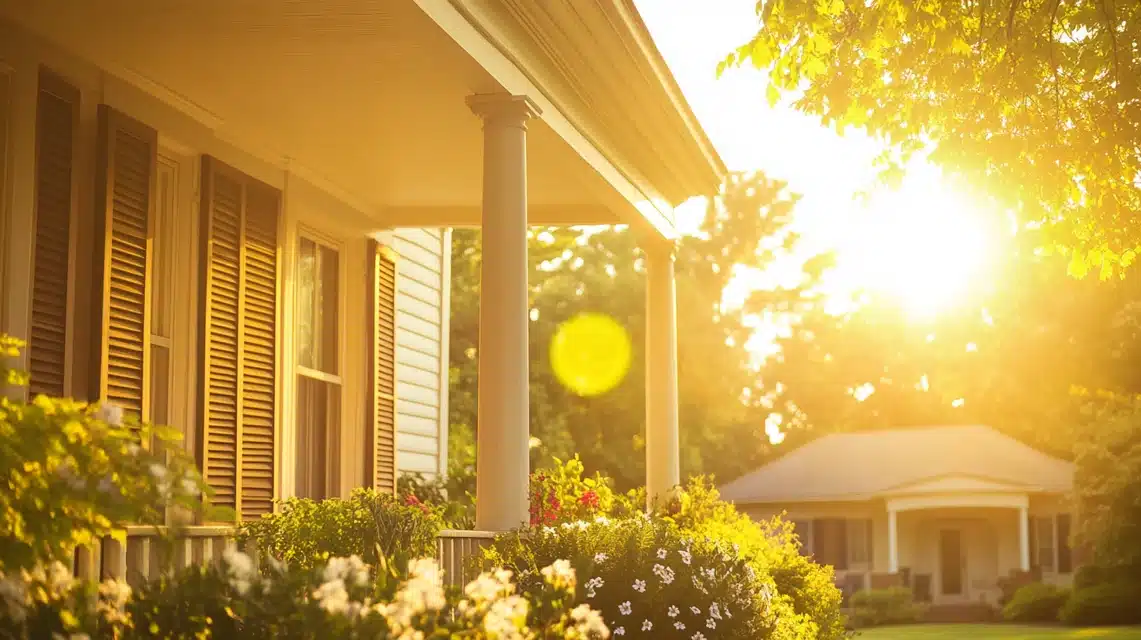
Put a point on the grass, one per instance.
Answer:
(996, 632)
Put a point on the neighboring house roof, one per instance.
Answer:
(859, 466)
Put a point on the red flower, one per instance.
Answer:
(411, 500)
(589, 498)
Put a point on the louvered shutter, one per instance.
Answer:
(57, 110)
(125, 187)
(238, 354)
(382, 409)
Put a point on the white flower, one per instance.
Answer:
(711, 624)
(332, 596)
(134, 449)
(665, 574)
(506, 617)
(589, 622)
(661, 554)
(680, 626)
(620, 631)
(647, 625)
(686, 557)
(625, 608)
(709, 573)
(698, 636)
(239, 569)
(603, 520)
(189, 485)
(352, 570)
(113, 597)
(561, 574)
(110, 413)
(489, 586)
(59, 578)
(695, 611)
(640, 586)
(714, 611)
(14, 596)
(600, 557)
(673, 611)
(158, 471)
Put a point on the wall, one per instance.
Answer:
(311, 205)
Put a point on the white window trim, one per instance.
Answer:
(8, 79)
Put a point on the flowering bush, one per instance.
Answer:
(560, 494)
(341, 599)
(441, 493)
(75, 472)
(770, 546)
(369, 524)
(646, 577)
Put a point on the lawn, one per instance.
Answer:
(996, 632)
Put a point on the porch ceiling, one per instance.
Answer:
(366, 94)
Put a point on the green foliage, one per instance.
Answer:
(770, 547)
(1036, 102)
(875, 607)
(645, 576)
(1035, 602)
(1107, 488)
(1104, 604)
(745, 227)
(369, 524)
(436, 492)
(74, 472)
(342, 598)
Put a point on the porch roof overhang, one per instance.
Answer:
(366, 98)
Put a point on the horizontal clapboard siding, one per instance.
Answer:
(418, 317)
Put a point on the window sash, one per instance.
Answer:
(859, 540)
(318, 305)
(318, 436)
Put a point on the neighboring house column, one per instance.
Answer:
(662, 468)
(1024, 538)
(503, 420)
(892, 541)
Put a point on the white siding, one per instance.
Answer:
(422, 283)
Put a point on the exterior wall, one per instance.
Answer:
(310, 206)
(990, 539)
(422, 320)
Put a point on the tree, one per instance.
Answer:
(575, 270)
(1016, 355)
(1034, 102)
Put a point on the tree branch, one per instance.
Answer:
(1014, 4)
(1053, 60)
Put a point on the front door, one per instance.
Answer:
(951, 561)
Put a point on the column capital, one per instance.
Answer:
(657, 248)
(503, 106)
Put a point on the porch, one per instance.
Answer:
(342, 122)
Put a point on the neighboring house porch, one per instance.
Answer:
(232, 217)
(946, 511)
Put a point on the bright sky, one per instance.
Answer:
(924, 244)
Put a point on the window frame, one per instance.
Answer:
(321, 240)
(863, 560)
(1045, 524)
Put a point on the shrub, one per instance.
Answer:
(1103, 604)
(456, 508)
(1035, 602)
(884, 606)
(770, 546)
(646, 577)
(341, 599)
(75, 472)
(560, 494)
(369, 524)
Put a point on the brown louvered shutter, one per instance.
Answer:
(238, 387)
(125, 186)
(57, 113)
(382, 373)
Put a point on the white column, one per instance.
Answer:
(503, 421)
(1024, 538)
(662, 467)
(892, 541)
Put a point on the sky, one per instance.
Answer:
(923, 243)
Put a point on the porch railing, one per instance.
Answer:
(146, 553)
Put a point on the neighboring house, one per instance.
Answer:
(231, 216)
(949, 510)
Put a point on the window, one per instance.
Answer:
(1044, 543)
(318, 379)
(803, 530)
(859, 542)
(1065, 554)
(162, 284)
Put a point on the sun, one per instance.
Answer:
(925, 245)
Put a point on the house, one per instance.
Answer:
(948, 510)
(232, 216)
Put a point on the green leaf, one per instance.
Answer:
(772, 94)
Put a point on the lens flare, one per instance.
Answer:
(590, 354)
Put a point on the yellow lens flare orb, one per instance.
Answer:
(590, 354)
